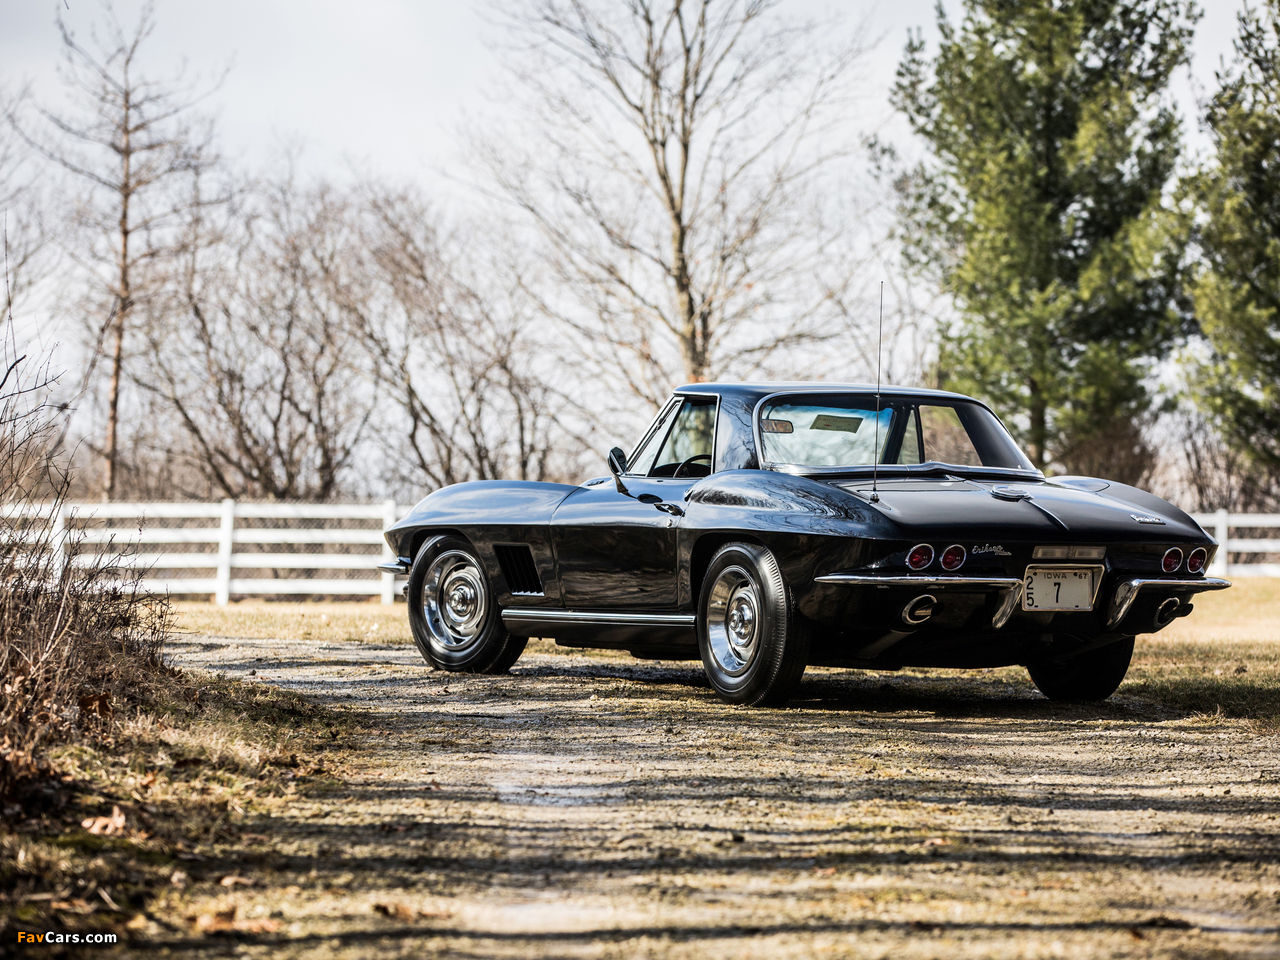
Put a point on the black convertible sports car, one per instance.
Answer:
(765, 527)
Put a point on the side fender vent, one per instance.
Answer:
(519, 569)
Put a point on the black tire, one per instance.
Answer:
(754, 645)
(455, 620)
(1088, 677)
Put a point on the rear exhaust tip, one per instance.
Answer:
(918, 610)
(1167, 612)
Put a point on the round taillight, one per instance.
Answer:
(921, 556)
(1172, 560)
(1196, 561)
(953, 557)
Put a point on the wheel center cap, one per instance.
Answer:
(461, 600)
(741, 620)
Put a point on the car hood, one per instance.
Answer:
(971, 508)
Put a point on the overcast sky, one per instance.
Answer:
(388, 84)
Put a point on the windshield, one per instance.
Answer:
(844, 431)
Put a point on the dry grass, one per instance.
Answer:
(366, 622)
(133, 815)
(1222, 660)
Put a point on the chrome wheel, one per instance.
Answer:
(455, 602)
(733, 621)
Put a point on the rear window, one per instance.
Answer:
(847, 431)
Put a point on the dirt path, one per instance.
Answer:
(594, 807)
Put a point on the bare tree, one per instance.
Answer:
(687, 179)
(262, 377)
(26, 231)
(449, 334)
(133, 141)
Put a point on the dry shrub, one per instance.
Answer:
(75, 641)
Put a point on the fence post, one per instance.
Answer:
(388, 579)
(1221, 533)
(58, 538)
(225, 544)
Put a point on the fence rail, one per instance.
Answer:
(345, 550)
(1220, 523)
(213, 547)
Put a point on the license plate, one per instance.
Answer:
(1059, 588)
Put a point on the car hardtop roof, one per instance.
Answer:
(753, 392)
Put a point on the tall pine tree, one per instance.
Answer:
(1039, 209)
(1237, 288)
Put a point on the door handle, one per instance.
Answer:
(670, 508)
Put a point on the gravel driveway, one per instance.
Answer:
(589, 806)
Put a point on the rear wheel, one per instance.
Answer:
(1091, 676)
(455, 621)
(754, 646)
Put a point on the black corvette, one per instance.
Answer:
(765, 527)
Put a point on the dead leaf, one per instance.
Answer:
(99, 703)
(824, 871)
(231, 881)
(407, 914)
(106, 826)
(148, 781)
(224, 921)
(936, 842)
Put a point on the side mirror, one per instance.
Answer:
(618, 466)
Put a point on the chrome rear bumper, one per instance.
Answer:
(1127, 591)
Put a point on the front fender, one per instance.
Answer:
(464, 506)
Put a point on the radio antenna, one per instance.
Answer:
(875, 453)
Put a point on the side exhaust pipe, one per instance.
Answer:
(919, 610)
(1167, 612)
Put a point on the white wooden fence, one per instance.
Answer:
(1221, 523)
(213, 546)
(208, 535)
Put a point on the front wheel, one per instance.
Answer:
(455, 621)
(754, 646)
(1091, 676)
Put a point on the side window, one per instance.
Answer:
(945, 438)
(642, 460)
(910, 451)
(690, 438)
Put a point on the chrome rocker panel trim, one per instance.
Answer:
(1127, 591)
(543, 615)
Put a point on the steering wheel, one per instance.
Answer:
(698, 456)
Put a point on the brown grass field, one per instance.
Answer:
(308, 788)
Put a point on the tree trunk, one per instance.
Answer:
(111, 447)
(1039, 426)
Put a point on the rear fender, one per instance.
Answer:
(806, 524)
